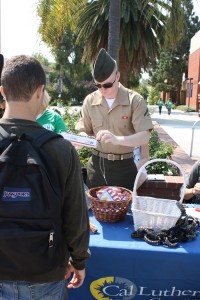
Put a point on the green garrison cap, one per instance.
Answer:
(103, 66)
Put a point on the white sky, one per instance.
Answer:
(19, 26)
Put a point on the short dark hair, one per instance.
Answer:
(21, 76)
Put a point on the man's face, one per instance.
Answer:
(109, 87)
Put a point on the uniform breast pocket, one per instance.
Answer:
(125, 123)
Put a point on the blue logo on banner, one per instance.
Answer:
(113, 288)
(16, 194)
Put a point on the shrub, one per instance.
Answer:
(158, 149)
(186, 108)
(84, 154)
(70, 119)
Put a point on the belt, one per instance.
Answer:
(111, 156)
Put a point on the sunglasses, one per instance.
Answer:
(105, 85)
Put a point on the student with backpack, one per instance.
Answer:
(44, 224)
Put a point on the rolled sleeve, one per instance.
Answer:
(141, 118)
(84, 122)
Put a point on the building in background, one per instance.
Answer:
(193, 79)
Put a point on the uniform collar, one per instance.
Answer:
(121, 98)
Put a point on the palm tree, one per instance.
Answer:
(57, 17)
(114, 28)
(130, 30)
(138, 40)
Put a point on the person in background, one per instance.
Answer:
(160, 105)
(48, 118)
(119, 119)
(192, 191)
(141, 156)
(169, 106)
(23, 80)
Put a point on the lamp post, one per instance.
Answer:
(198, 97)
(189, 94)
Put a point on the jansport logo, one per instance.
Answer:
(16, 194)
(109, 288)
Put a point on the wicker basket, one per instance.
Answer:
(154, 213)
(109, 211)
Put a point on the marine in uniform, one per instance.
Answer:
(119, 120)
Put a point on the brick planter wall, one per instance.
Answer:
(168, 189)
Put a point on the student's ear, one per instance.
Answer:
(118, 76)
(40, 91)
(2, 91)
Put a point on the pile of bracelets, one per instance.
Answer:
(184, 230)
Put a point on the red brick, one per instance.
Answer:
(168, 189)
(193, 72)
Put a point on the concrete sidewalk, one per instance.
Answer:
(182, 127)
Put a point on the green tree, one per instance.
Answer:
(142, 28)
(166, 73)
(56, 17)
(143, 90)
(58, 31)
(154, 95)
(42, 59)
(138, 43)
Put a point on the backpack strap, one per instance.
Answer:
(44, 137)
(5, 135)
(6, 138)
(40, 139)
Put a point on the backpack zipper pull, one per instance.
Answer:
(51, 239)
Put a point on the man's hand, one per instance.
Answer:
(107, 137)
(77, 279)
(196, 188)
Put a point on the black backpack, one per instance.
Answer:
(30, 206)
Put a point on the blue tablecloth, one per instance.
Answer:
(121, 268)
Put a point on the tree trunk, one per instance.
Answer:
(123, 70)
(114, 28)
(178, 94)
